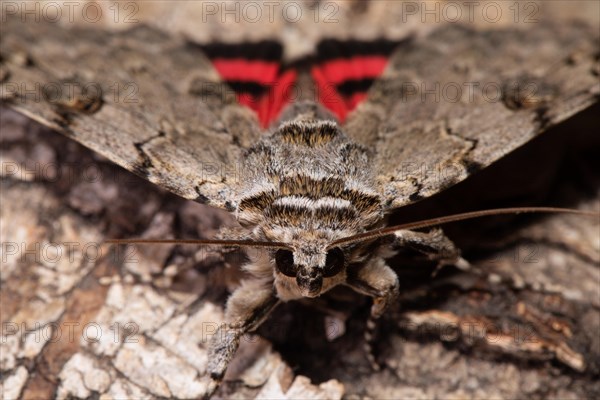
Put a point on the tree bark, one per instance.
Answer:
(82, 318)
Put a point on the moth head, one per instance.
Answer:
(311, 267)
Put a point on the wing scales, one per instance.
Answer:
(181, 127)
(431, 121)
(151, 103)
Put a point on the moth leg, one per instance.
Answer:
(247, 308)
(378, 280)
(434, 244)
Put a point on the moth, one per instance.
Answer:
(312, 154)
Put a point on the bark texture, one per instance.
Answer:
(81, 318)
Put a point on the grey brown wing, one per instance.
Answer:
(147, 101)
(460, 99)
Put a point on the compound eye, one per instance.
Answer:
(334, 262)
(284, 260)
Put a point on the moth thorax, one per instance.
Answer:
(309, 175)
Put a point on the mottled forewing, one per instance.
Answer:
(147, 101)
(458, 100)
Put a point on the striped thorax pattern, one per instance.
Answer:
(307, 185)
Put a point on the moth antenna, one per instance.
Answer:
(377, 233)
(204, 242)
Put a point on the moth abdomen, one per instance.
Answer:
(308, 133)
(313, 188)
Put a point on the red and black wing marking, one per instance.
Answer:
(345, 70)
(254, 71)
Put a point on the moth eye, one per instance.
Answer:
(284, 260)
(334, 262)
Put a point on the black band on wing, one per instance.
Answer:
(345, 70)
(253, 70)
(264, 50)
